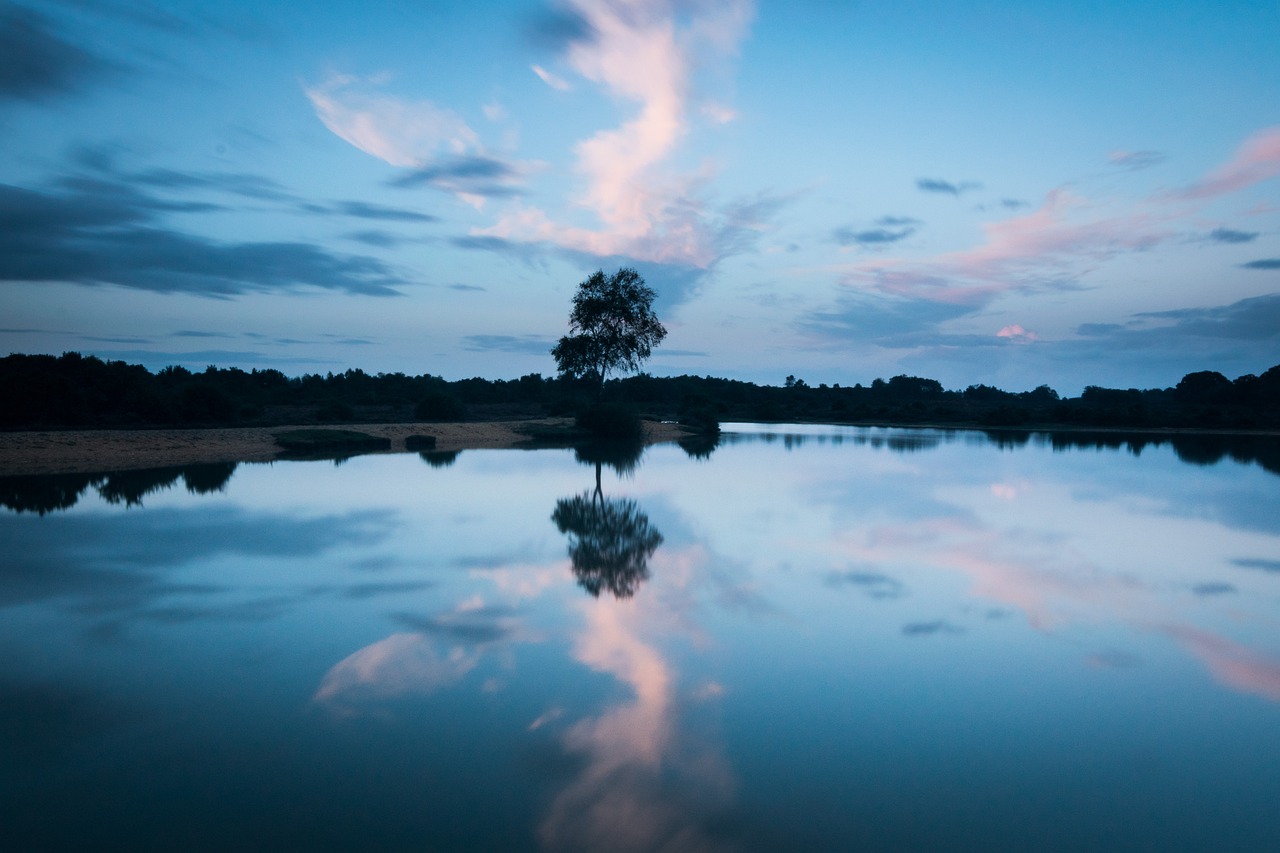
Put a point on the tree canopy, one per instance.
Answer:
(612, 327)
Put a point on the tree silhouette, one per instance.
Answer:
(612, 327)
(610, 542)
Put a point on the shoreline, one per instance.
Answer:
(98, 450)
(36, 452)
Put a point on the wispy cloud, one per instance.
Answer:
(1135, 160)
(551, 79)
(519, 344)
(1262, 264)
(1047, 248)
(400, 132)
(1228, 235)
(99, 232)
(889, 229)
(381, 212)
(465, 175)
(643, 54)
(37, 62)
(938, 185)
(1256, 160)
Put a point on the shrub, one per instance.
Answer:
(612, 421)
(439, 406)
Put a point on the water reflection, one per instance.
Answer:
(440, 458)
(826, 639)
(610, 539)
(700, 446)
(1193, 448)
(44, 493)
(610, 542)
(643, 782)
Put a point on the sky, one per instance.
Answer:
(1010, 194)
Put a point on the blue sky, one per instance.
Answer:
(1010, 194)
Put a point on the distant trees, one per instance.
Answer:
(73, 390)
(612, 327)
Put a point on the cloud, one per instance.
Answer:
(1232, 664)
(550, 79)
(891, 230)
(377, 239)
(1256, 160)
(518, 344)
(471, 175)
(555, 28)
(404, 664)
(1262, 264)
(643, 54)
(1017, 334)
(937, 185)
(1047, 248)
(128, 561)
(36, 62)
(1226, 235)
(1253, 319)
(924, 629)
(874, 584)
(1209, 589)
(400, 132)
(365, 210)
(1135, 160)
(883, 320)
(96, 232)
(1272, 566)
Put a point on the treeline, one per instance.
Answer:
(73, 390)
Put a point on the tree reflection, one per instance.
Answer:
(610, 539)
(44, 493)
(610, 542)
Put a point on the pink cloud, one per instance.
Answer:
(1232, 664)
(639, 781)
(1256, 160)
(1066, 237)
(1017, 334)
(639, 53)
(1055, 243)
(397, 131)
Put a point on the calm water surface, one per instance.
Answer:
(807, 638)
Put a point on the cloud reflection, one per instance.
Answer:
(641, 785)
(403, 664)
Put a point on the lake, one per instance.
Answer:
(804, 638)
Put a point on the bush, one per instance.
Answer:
(438, 406)
(335, 413)
(612, 421)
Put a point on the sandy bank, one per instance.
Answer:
(76, 451)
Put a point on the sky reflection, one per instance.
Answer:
(826, 634)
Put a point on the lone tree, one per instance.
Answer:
(612, 327)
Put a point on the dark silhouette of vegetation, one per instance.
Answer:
(612, 327)
(44, 493)
(617, 422)
(610, 540)
(440, 458)
(326, 441)
(42, 391)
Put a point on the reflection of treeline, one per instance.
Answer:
(1196, 448)
(42, 493)
(75, 390)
